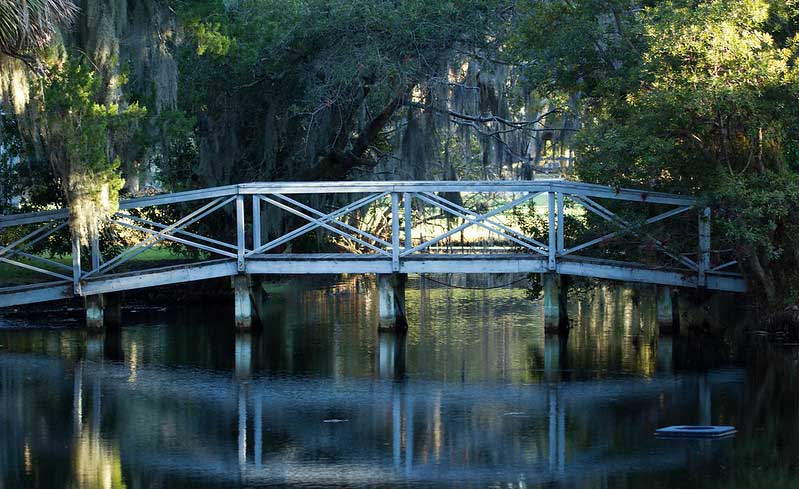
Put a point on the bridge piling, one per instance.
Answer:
(102, 311)
(391, 299)
(243, 309)
(95, 306)
(556, 319)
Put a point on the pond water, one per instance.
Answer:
(476, 395)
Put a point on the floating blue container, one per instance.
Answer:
(695, 431)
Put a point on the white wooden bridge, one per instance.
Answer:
(402, 237)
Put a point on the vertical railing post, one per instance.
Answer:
(76, 271)
(395, 238)
(240, 231)
(561, 224)
(256, 222)
(704, 246)
(552, 238)
(408, 208)
(96, 257)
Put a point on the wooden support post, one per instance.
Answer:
(76, 270)
(242, 302)
(395, 234)
(94, 311)
(667, 314)
(556, 319)
(256, 222)
(240, 232)
(704, 247)
(407, 205)
(391, 301)
(96, 256)
(561, 225)
(553, 245)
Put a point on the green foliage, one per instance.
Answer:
(81, 135)
(209, 38)
(296, 83)
(687, 96)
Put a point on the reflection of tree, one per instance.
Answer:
(97, 464)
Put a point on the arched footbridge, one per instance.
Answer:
(373, 228)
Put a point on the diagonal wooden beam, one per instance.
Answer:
(313, 225)
(321, 214)
(36, 233)
(35, 269)
(324, 224)
(608, 215)
(659, 217)
(471, 213)
(181, 232)
(470, 222)
(148, 243)
(175, 239)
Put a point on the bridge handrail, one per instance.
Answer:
(545, 185)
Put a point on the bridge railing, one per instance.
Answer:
(244, 216)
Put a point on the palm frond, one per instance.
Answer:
(29, 25)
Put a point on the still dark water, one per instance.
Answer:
(476, 396)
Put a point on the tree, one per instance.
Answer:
(28, 25)
(692, 96)
(318, 89)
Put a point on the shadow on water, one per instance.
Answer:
(475, 395)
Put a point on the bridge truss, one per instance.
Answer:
(370, 227)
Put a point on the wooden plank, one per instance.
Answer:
(182, 232)
(175, 239)
(160, 276)
(476, 264)
(18, 296)
(330, 265)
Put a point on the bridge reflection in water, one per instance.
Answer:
(479, 400)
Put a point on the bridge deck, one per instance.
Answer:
(336, 263)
